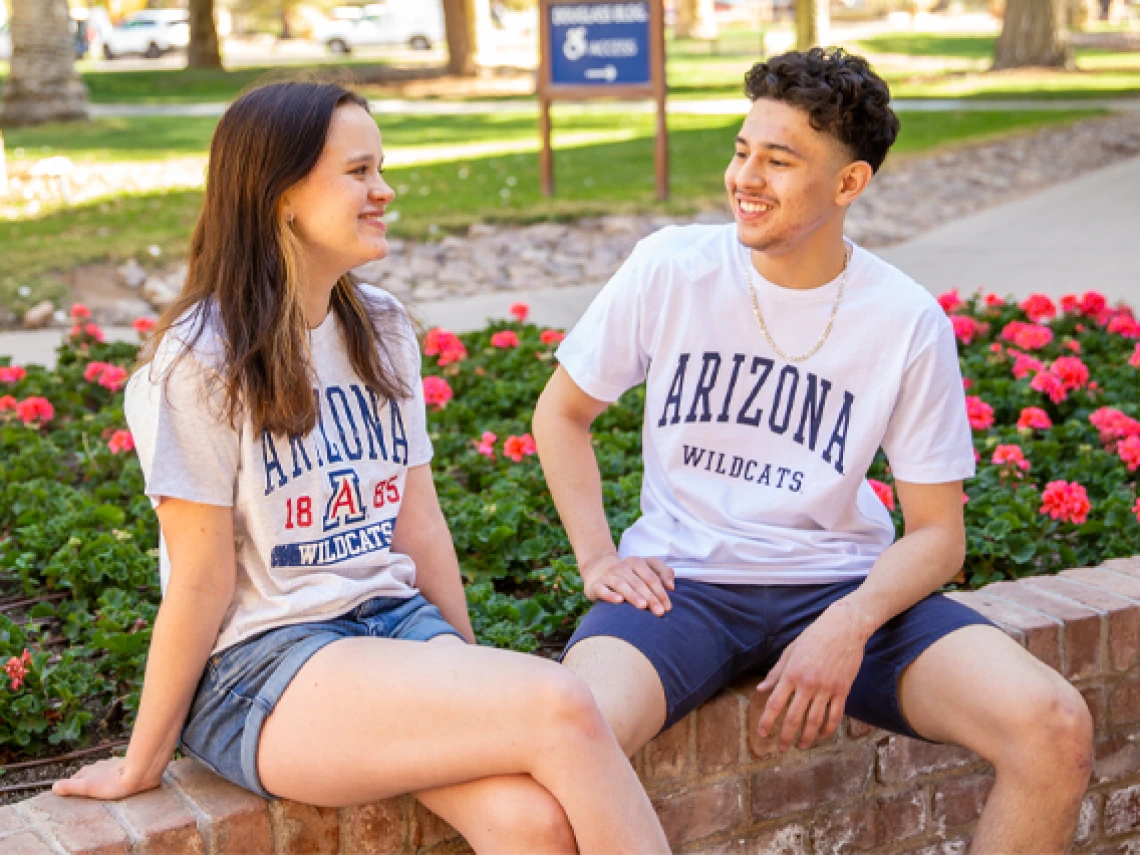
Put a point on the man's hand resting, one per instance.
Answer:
(642, 582)
(815, 674)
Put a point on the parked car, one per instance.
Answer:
(80, 36)
(151, 33)
(415, 23)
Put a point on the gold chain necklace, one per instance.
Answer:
(830, 321)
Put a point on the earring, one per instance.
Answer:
(289, 219)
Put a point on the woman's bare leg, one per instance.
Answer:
(369, 718)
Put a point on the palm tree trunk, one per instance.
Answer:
(812, 21)
(42, 85)
(459, 23)
(1033, 33)
(203, 51)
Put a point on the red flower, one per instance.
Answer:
(1049, 384)
(1070, 304)
(1034, 418)
(505, 339)
(1012, 456)
(17, 669)
(1039, 308)
(884, 492)
(516, 447)
(1065, 501)
(1092, 303)
(980, 414)
(446, 345)
(555, 336)
(993, 300)
(7, 402)
(1134, 359)
(950, 301)
(997, 348)
(965, 328)
(1072, 373)
(80, 312)
(12, 373)
(485, 445)
(35, 410)
(1027, 336)
(1073, 345)
(1113, 425)
(520, 311)
(106, 375)
(436, 392)
(1124, 325)
(967, 383)
(91, 331)
(1129, 451)
(1024, 364)
(121, 440)
(143, 326)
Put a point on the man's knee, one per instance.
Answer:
(1050, 735)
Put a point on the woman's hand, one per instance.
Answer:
(107, 779)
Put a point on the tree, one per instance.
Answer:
(459, 24)
(42, 85)
(811, 23)
(203, 51)
(1034, 33)
(696, 19)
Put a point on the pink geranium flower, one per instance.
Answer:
(143, 326)
(1039, 308)
(1012, 456)
(1129, 451)
(12, 373)
(486, 444)
(1073, 345)
(1049, 384)
(950, 301)
(884, 492)
(17, 669)
(80, 312)
(35, 410)
(1070, 304)
(1071, 371)
(7, 402)
(1024, 364)
(1134, 359)
(1124, 325)
(555, 336)
(436, 392)
(446, 345)
(516, 447)
(519, 311)
(980, 414)
(505, 339)
(965, 328)
(91, 331)
(1114, 425)
(1065, 501)
(106, 375)
(1034, 418)
(993, 300)
(121, 440)
(1092, 303)
(1027, 336)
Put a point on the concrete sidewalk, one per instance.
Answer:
(1073, 237)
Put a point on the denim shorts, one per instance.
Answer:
(716, 633)
(242, 684)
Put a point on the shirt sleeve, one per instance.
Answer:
(606, 353)
(928, 438)
(185, 443)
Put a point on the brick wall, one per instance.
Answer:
(719, 788)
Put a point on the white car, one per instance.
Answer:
(151, 33)
(414, 23)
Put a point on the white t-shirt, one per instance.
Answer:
(755, 467)
(313, 516)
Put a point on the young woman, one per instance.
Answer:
(279, 419)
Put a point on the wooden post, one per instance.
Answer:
(3, 169)
(546, 156)
(657, 72)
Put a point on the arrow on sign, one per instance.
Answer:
(608, 73)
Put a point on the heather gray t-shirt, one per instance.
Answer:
(313, 515)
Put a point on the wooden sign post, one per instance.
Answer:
(602, 49)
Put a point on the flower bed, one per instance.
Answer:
(1052, 401)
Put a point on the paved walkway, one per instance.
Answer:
(707, 106)
(1075, 236)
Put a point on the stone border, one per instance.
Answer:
(719, 789)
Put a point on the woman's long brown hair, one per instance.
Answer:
(244, 258)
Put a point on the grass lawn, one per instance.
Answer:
(609, 177)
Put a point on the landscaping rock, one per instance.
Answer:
(39, 315)
(159, 292)
(131, 274)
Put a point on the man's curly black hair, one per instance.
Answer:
(840, 93)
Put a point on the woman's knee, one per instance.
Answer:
(566, 708)
(524, 818)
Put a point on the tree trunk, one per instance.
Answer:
(203, 51)
(1033, 33)
(696, 19)
(811, 23)
(42, 85)
(459, 23)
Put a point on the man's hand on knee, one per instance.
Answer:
(641, 582)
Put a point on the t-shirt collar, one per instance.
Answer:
(770, 291)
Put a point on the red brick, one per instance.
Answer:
(1083, 626)
(238, 820)
(163, 822)
(815, 778)
(900, 817)
(719, 731)
(848, 829)
(430, 829)
(25, 843)
(374, 829)
(767, 748)
(10, 821)
(1096, 699)
(1041, 634)
(696, 812)
(732, 846)
(667, 755)
(1124, 701)
(857, 729)
(792, 839)
(959, 801)
(1116, 756)
(1117, 583)
(1122, 810)
(301, 829)
(80, 825)
(1088, 824)
(902, 758)
(1123, 615)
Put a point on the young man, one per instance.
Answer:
(778, 358)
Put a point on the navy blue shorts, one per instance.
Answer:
(716, 633)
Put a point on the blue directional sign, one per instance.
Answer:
(599, 44)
